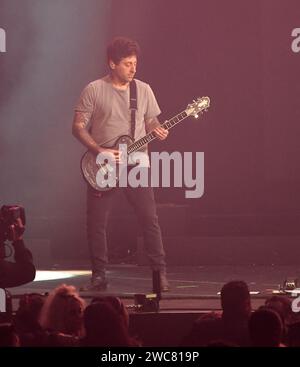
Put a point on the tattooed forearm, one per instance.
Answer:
(80, 131)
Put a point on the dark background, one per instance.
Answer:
(237, 52)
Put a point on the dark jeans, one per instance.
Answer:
(99, 206)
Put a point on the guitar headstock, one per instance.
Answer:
(201, 104)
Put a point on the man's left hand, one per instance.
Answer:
(161, 133)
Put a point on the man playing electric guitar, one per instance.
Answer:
(104, 113)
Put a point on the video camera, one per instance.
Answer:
(12, 226)
(12, 222)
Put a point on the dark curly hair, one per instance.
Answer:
(122, 47)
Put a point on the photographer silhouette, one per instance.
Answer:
(12, 227)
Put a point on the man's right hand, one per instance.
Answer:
(113, 154)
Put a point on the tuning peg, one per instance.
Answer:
(196, 116)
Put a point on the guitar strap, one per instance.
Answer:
(132, 106)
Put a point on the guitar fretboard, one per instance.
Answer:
(151, 136)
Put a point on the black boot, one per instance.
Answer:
(98, 283)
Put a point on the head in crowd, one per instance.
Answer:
(62, 311)
(28, 313)
(105, 326)
(117, 304)
(293, 335)
(8, 336)
(235, 299)
(283, 306)
(265, 328)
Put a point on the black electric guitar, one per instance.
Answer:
(90, 169)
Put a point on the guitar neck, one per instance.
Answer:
(151, 136)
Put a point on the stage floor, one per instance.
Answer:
(192, 288)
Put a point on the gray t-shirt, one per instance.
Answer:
(107, 114)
